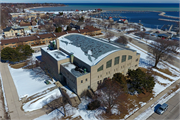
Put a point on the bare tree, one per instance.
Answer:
(142, 35)
(45, 17)
(109, 35)
(122, 40)
(98, 22)
(163, 49)
(49, 28)
(123, 28)
(130, 39)
(108, 94)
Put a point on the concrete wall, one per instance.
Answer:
(122, 67)
(50, 64)
(84, 85)
(95, 77)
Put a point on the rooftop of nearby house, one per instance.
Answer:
(7, 29)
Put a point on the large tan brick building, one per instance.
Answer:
(83, 62)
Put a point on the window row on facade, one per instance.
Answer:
(116, 61)
(85, 80)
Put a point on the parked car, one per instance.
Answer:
(162, 109)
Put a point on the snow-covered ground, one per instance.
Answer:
(28, 82)
(147, 42)
(158, 88)
(39, 102)
(74, 112)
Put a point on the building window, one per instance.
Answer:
(108, 64)
(116, 60)
(136, 59)
(135, 65)
(100, 68)
(129, 57)
(98, 82)
(88, 87)
(123, 58)
(14, 46)
(86, 79)
(81, 81)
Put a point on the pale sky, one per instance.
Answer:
(90, 1)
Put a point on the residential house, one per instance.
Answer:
(13, 32)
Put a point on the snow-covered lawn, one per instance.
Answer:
(28, 83)
(74, 112)
(158, 88)
(39, 102)
(147, 42)
(145, 62)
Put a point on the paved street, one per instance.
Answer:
(149, 104)
(172, 112)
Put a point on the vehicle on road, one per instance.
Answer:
(162, 109)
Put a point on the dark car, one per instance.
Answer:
(162, 109)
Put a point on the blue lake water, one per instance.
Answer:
(148, 19)
(114, 6)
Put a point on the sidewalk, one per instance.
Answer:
(142, 109)
(12, 98)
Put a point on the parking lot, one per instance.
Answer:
(173, 111)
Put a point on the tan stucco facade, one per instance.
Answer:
(93, 77)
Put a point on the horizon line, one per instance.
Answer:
(96, 3)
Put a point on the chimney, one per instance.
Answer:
(72, 58)
(84, 70)
(57, 43)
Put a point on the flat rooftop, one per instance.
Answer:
(56, 54)
(71, 68)
(88, 49)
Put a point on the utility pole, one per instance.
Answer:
(157, 27)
